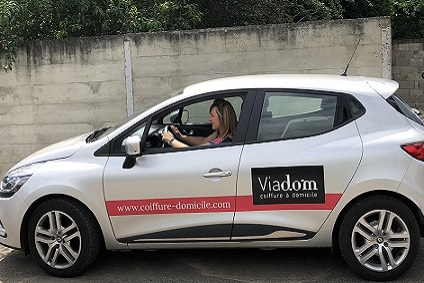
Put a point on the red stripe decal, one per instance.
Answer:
(245, 203)
(207, 205)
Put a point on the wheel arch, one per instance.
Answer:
(37, 203)
(408, 202)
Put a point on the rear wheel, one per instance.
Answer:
(63, 237)
(379, 238)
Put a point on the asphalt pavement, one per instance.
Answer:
(207, 265)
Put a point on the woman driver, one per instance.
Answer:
(223, 119)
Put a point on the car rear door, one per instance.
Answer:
(301, 152)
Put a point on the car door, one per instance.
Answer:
(299, 157)
(173, 195)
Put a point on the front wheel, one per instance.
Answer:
(63, 237)
(379, 238)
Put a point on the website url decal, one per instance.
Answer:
(170, 206)
(209, 205)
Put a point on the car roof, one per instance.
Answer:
(335, 83)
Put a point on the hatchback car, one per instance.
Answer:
(315, 161)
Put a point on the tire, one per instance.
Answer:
(63, 237)
(379, 238)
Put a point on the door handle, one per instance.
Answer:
(190, 133)
(219, 174)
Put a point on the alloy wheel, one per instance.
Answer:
(58, 239)
(380, 240)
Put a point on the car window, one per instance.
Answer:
(356, 107)
(288, 115)
(191, 119)
(403, 108)
(198, 113)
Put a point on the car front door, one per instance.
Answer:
(298, 160)
(174, 195)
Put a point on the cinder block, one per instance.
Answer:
(403, 47)
(416, 46)
(407, 54)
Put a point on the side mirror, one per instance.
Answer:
(185, 116)
(133, 149)
(416, 111)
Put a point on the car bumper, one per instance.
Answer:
(412, 187)
(11, 214)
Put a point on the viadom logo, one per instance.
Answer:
(285, 185)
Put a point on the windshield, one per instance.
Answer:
(106, 130)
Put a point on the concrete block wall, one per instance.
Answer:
(408, 66)
(58, 89)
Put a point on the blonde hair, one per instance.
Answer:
(226, 115)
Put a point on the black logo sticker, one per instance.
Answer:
(288, 185)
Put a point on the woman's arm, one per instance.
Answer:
(192, 140)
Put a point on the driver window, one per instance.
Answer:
(198, 113)
(191, 119)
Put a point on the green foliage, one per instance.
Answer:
(25, 20)
(257, 12)
(407, 15)
(408, 19)
(9, 38)
(353, 9)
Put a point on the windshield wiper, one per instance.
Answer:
(97, 133)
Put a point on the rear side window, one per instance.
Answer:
(288, 115)
(402, 107)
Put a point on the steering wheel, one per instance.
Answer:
(164, 129)
(154, 139)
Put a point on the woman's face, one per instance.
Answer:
(214, 119)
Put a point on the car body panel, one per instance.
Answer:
(346, 149)
(63, 149)
(12, 225)
(163, 198)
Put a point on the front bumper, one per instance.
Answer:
(11, 214)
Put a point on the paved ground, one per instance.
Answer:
(209, 266)
(3, 252)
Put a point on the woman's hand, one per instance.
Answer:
(167, 136)
(176, 132)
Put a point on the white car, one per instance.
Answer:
(316, 161)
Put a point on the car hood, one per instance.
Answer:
(60, 150)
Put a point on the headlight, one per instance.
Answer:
(15, 179)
